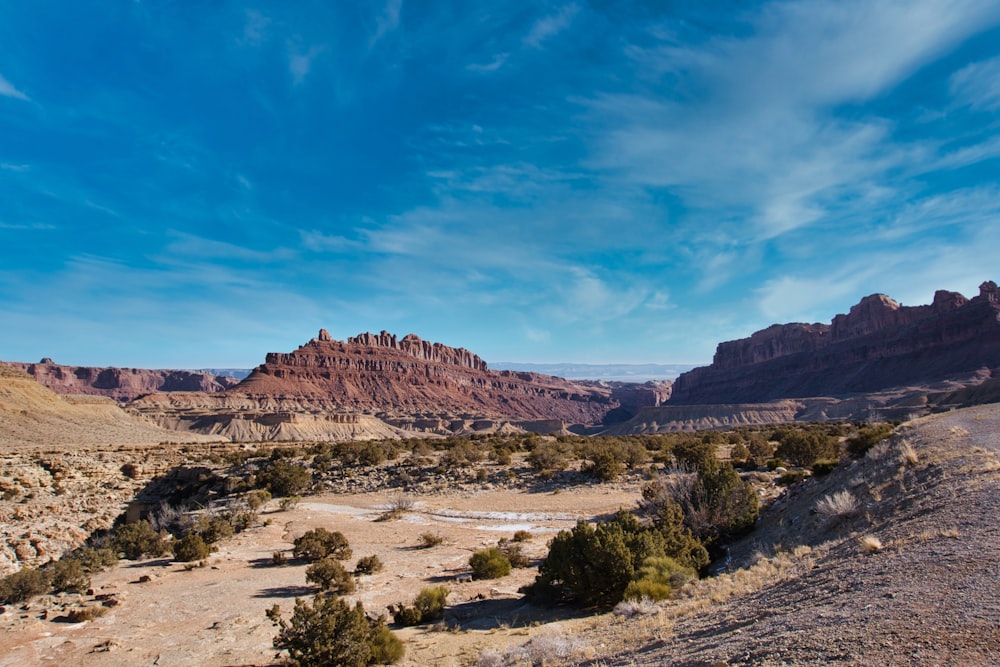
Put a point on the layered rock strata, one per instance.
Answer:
(877, 345)
(120, 384)
(406, 383)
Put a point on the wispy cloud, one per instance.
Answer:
(498, 61)
(387, 21)
(37, 226)
(7, 89)
(300, 62)
(255, 28)
(550, 26)
(978, 85)
(750, 122)
(6, 166)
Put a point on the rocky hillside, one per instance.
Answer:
(889, 560)
(327, 386)
(879, 344)
(33, 417)
(121, 384)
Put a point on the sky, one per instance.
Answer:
(194, 184)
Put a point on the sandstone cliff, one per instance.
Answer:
(407, 383)
(121, 384)
(879, 344)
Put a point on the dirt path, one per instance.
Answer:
(215, 615)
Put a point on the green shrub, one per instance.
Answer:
(774, 463)
(791, 477)
(289, 503)
(331, 576)
(213, 528)
(716, 504)
(278, 558)
(135, 540)
(739, 453)
(282, 478)
(760, 448)
(548, 457)
(824, 467)
(331, 632)
(514, 553)
(23, 585)
(489, 563)
(522, 536)
(428, 540)
(803, 448)
(257, 498)
(369, 565)
(190, 548)
(866, 438)
(590, 566)
(658, 578)
(693, 453)
(68, 575)
(427, 607)
(320, 543)
(604, 465)
(94, 559)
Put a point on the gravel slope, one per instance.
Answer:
(929, 596)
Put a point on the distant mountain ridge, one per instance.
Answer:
(121, 384)
(598, 372)
(374, 382)
(878, 345)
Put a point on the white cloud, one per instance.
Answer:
(300, 64)
(387, 21)
(978, 85)
(747, 126)
(319, 242)
(498, 61)
(6, 166)
(549, 26)
(7, 89)
(255, 28)
(797, 299)
(35, 226)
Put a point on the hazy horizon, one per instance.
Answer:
(631, 182)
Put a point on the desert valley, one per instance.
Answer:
(820, 493)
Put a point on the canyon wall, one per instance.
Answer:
(879, 344)
(120, 384)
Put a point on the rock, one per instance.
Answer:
(408, 383)
(879, 344)
(120, 384)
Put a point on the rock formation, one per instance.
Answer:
(406, 382)
(879, 344)
(121, 384)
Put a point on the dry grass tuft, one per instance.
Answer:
(870, 544)
(837, 504)
(553, 649)
(907, 455)
(641, 607)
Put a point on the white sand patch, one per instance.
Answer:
(337, 509)
(506, 516)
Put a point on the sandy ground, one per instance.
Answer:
(215, 615)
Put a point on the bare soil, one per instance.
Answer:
(802, 590)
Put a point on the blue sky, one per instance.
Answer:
(191, 184)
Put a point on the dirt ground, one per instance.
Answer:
(812, 591)
(215, 615)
